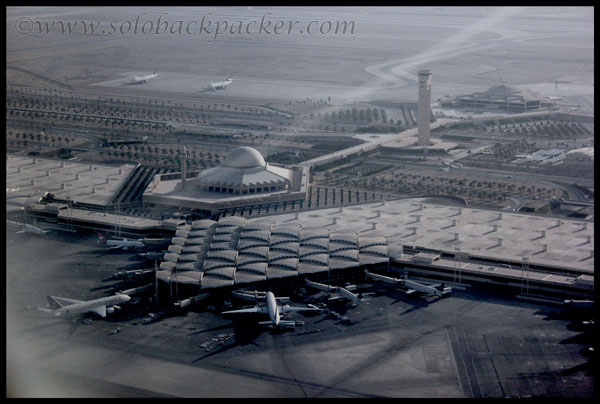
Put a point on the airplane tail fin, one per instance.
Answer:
(101, 238)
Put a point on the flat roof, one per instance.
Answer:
(410, 142)
(85, 183)
(110, 219)
(415, 222)
(515, 272)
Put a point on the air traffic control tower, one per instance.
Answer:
(424, 107)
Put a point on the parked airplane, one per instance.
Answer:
(221, 84)
(273, 310)
(338, 291)
(27, 228)
(143, 79)
(411, 287)
(122, 244)
(153, 255)
(102, 306)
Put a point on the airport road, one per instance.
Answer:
(473, 344)
(370, 144)
(557, 181)
(382, 139)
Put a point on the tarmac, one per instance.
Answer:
(475, 343)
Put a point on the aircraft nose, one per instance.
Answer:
(126, 298)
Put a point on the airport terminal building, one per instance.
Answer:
(244, 179)
(235, 252)
(526, 253)
(505, 97)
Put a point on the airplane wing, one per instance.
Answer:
(255, 309)
(99, 310)
(282, 323)
(48, 311)
(287, 309)
(116, 247)
(63, 301)
(287, 324)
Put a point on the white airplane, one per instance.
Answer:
(120, 244)
(221, 84)
(338, 291)
(153, 255)
(274, 311)
(100, 306)
(27, 228)
(143, 79)
(411, 287)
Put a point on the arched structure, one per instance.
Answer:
(244, 179)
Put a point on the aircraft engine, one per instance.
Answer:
(110, 310)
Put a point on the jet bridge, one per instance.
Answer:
(140, 289)
(343, 292)
(412, 286)
(194, 299)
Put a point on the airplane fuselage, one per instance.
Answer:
(27, 228)
(35, 230)
(84, 307)
(143, 79)
(221, 84)
(273, 308)
(124, 243)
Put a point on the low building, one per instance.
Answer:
(244, 179)
(536, 206)
(89, 186)
(505, 97)
(549, 157)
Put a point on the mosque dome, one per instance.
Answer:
(244, 157)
